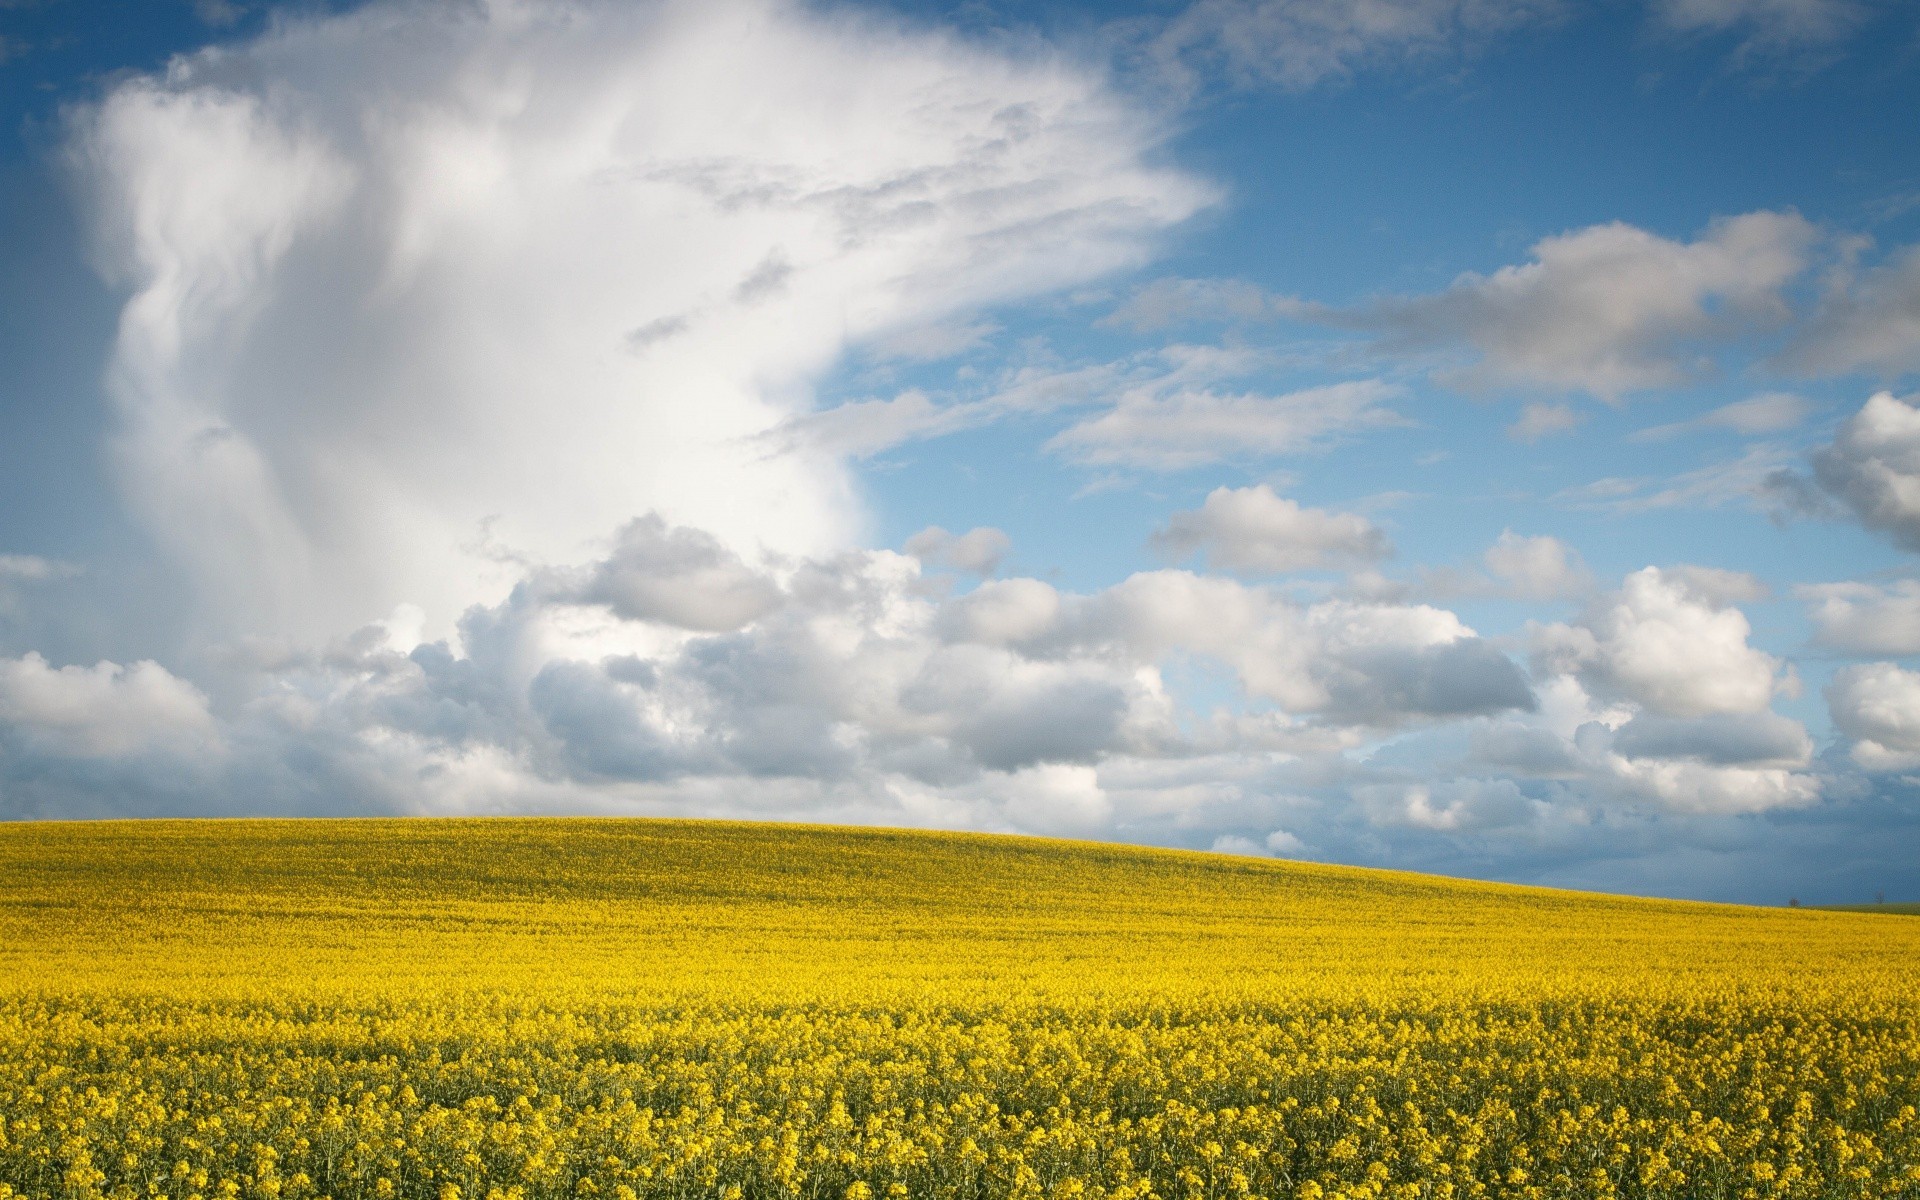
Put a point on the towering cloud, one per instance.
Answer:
(425, 291)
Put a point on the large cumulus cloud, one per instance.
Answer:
(424, 290)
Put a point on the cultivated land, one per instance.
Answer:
(572, 1008)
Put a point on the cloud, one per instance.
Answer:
(1617, 754)
(1609, 309)
(1457, 806)
(1540, 420)
(1873, 467)
(1695, 787)
(978, 551)
(1183, 429)
(1867, 324)
(1768, 28)
(19, 572)
(385, 269)
(679, 577)
(1865, 619)
(1168, 302)
(1770, 412)
(1346, 663)
(1297, 44)
(1252, 530)
(1537, 568)
(933, 343)
(862, 428)
(1669, 641)
(106, 710)
(1877, 706)
(1762, 478)
(1764, 739)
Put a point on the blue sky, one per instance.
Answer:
(1467, 435)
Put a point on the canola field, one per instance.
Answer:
(459, 1010)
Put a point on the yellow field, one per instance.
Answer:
(679, 1009)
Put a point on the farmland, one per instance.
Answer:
(546, 1008)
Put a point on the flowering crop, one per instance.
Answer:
(468, 1009)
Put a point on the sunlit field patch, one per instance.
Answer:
(546, 1008)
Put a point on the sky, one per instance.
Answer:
(1473, 436)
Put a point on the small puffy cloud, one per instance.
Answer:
(31, 568)
(1608, 310)
(1244, 847)
(1877, 706)
(1191, 428)
(1671, 641)
(978, 551)
(1865, 619)
(675, 576)
(1297, 44)
(1057, 798)
(1867, 324)
(1252, 530)
(1769, 412)
(1456, 806)
(1284, 843)
(21, 572)
(105, 710)
(1537, 568)
(1540, 419)
(1873, 467)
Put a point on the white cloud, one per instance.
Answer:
(1057, 799)
(1863, 618)
(1752, 480)
(1539, 419)
(978, 551)
(1769, 412)
(1670, 641)
(101, 711)
(679, 577)
(1867, 324)
(1297, 44)
(1609, 309)
(31, 568)
(1457, 806)
(933, 343)
(21, 572)
(1537, 568)
(1873, 467)
(1003, 613)
(388, 268)
(1178, 430)
(1702, 788)
(1284, 843)
(1767, 27)
(1168, 302)
(1877, 705)
(1244, 847)
(1253, 530)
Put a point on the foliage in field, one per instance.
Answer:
(621, 1009)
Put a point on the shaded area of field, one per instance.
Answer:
(546, 1008)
